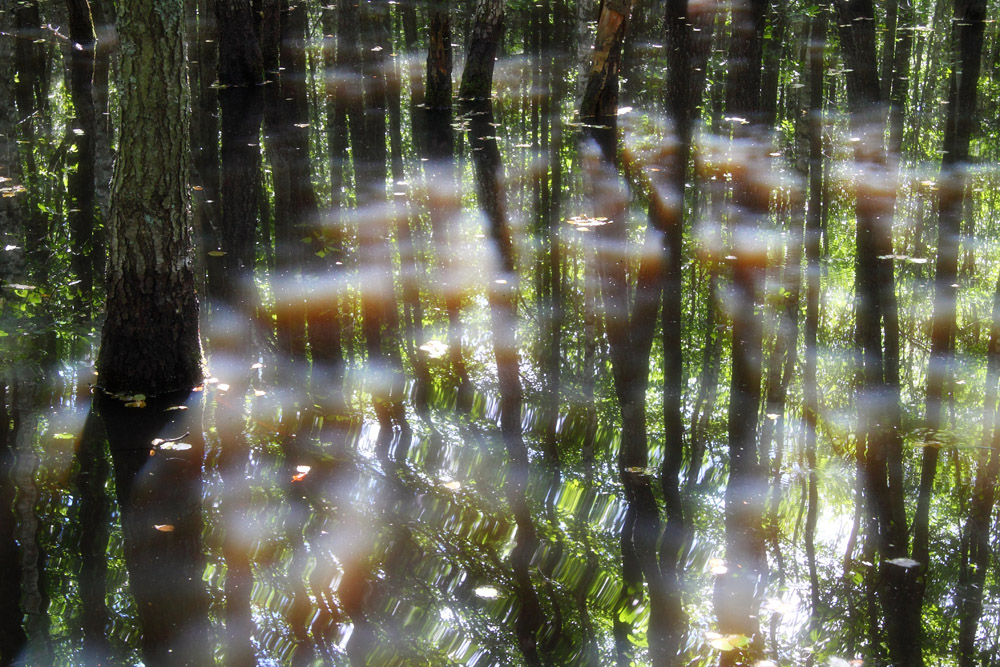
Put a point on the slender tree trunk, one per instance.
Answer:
(967, 40)
(12, 635)
(437, 87)
(736, 598)
(810, 410)
(241, 75)
(977, 551)
(877, 335)
(600, 96)
(481, 50)
(87, 251)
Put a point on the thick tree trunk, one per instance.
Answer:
(150, 340)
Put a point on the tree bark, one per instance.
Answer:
(481, 50)
(437, 87)
(150, 341)
(600, 96)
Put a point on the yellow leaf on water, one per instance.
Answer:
(163, 527)
(216, 253)
(63, 436)
(135, 404)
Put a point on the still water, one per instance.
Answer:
(457, 485)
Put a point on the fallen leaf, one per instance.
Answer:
(63, 436)
(163, 527)
(135, 404)
(175, 446)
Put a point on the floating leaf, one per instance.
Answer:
(135, 404)
(163, 527)
(177, 407)
(903, 562)
(216, 253)
(256, 366)
(223, 387)
(452, 485)
(259, 392)
(176, 446)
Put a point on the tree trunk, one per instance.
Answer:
(241, 75)
(87, 254)
(736, 591)
(437, 87)
(481, 51)
(877, 335)
(810, 409)
(600, 97)
(967, 40)
(150, 341)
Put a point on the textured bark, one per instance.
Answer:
(150, 341)
(481, 50)
(600, 97)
